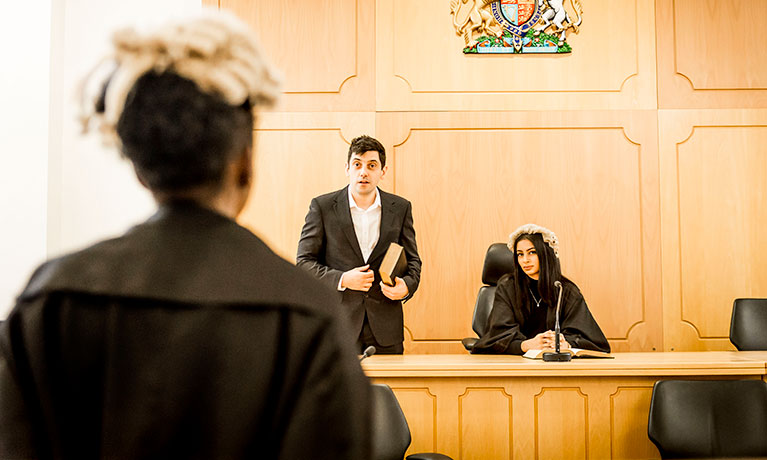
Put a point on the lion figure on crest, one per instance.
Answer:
(478, 20)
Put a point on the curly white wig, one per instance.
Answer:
(548, 236)
(215, 50)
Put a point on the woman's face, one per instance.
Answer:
(528, 258)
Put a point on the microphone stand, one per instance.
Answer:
(369, 351)
(557, 356)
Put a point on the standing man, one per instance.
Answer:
(345, 238)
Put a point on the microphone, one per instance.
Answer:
(369, 351)
(557, 355)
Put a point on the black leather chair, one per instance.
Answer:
(391, 434)
(498, 261)
(748, 326)
(709, 418)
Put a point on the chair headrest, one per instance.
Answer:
(498, 261)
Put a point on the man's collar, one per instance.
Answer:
(353, 204)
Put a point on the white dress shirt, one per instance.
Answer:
(367, 226)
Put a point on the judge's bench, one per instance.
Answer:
(504, 407)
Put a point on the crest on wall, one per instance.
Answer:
(515, 26)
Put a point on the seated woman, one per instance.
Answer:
(525, 302)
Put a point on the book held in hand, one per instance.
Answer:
(575, 352)
(393, 265)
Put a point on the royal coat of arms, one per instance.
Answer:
(515, 26)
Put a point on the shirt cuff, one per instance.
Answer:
(339, 283)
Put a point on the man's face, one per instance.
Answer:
(364, 172)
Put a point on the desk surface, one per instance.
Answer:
(624, 364)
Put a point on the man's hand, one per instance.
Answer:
(397, 292)
(358, 279)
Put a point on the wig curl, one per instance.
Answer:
(215, 50)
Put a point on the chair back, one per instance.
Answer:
(748, 326)
(391, 434)
(709, 419)
(499, 260)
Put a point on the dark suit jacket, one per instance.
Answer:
(329, 247)
(184, 338)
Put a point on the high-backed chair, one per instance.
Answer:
(748, 326)
(498, 261)
(391, 433)
(709, 418)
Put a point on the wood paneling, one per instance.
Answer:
(482, 144)
(629, 407)
(588, 179)
(713, 168)
(709, 54)
(561, 423)
(421, 65)
(325, 49)
(297, 157)
(484, 417)
(587, 408)
(420, 408)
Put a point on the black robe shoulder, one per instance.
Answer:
(187, 337)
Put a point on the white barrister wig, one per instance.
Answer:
(215, 50)
(548, 236)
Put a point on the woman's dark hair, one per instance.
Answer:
(549, 272)
(178, 136)
(362, 144)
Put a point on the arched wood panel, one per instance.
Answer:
(420, 64)
(297, 156)
(709, 54)
(713, 169)
(325, 49)
(474, 177)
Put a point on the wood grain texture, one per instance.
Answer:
(421, 65)
(482, 144)
(628, 420)
(485, 416)
(586, 179)
(323, 47)
(708, 56)
(598, 416)
(297, 157)
(713, 188)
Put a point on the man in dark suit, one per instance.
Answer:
(345, 238)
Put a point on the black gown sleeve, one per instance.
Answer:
(576, 323)
(503, 335)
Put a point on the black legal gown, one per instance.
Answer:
(184, 338)
(509, 324)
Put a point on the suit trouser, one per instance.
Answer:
(367, 339)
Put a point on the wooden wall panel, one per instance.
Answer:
(459, 129)
(325, 49)
(708, 55)
(298, 156)
(713, 170)
(420, 65)
(589, 180)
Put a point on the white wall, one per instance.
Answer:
(24, 81)
(59, 190)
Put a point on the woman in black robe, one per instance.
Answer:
(186, 337)
(524, 307)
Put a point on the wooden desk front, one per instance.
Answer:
(504, 407)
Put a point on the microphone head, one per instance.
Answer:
(370, 351)
(557, 284)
